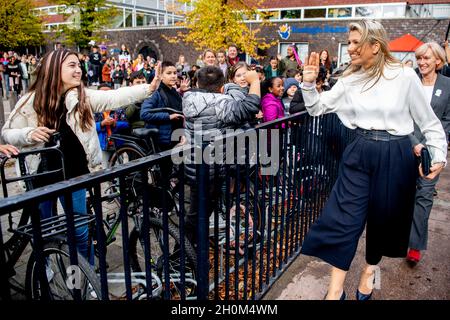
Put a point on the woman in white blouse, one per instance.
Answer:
(381, 100)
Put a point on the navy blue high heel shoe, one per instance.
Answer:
(363, 297)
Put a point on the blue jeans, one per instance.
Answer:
(6, 77)
(79, 207)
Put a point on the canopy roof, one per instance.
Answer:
(406, 43)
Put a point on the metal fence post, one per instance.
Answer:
(2, 112)
(203, 232)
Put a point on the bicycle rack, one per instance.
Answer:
(138, 278)
(55, 225)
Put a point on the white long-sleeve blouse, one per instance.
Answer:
(393, 104)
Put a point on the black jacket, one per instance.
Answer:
(297, 103)
(440, 102)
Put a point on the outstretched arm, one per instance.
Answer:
(328, 101)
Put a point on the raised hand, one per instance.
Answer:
(259, 115)
(154, 85)
(185, 85)
(311, 68)
(251, 76)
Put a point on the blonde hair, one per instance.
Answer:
(373, 32)
(436, 49)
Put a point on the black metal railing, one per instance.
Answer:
(226, 234)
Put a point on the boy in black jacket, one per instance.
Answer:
(117, 77)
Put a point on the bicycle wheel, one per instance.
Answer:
(59, 271)
(121, 156)
(157, 260)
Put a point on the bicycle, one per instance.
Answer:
(139, 145)
(158, 250)
(55, 259)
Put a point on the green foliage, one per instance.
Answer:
(19, 27)
(214, 24)
(89, 18)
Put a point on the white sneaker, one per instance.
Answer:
(92, 294)
(48, 271)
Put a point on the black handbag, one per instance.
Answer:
(425, 160)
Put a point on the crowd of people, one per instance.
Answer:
(17, 72)
(223, 91)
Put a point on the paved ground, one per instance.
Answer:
(307, 278)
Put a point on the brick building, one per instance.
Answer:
(311, 24)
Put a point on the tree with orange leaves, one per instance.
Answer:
(214, 24)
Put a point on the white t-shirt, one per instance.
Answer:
(428, 92)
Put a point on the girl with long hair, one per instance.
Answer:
(325, 61)
(381, 100)
(58, 101)
(238, 87)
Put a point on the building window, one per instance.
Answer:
(151, 19)
(369, 11)
(301, 46)
(140, 18)
(54, 27)
(441, 10)
(272, 15)
(117, 21)
(343, 55)
(395, 11)
(178, 19)
(291, 14)
(252, 17)
(339, 12)
(315, 13)
(128, 18)
(161, 19)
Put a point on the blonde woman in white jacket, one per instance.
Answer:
(58, 101)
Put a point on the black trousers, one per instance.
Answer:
(96, 74)
(191, 216)
(376, 184)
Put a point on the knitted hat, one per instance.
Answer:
(289, 82)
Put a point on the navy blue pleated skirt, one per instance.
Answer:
(376, 185)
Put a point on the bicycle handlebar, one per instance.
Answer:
(54, 138)
(24, 174)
